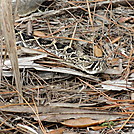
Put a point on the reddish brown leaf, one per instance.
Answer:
(39, 33)
(81, 122)
(57, 131)
(95, 128)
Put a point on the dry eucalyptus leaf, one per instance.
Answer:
(81, 122)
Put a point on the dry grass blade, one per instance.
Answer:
(9, 34)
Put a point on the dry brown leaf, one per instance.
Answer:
(95, 128)
(39, 34)
(57, 131)
(81, 122)
(97, 51)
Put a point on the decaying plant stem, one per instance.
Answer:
(9, 35)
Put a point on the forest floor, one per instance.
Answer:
(76, 61)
